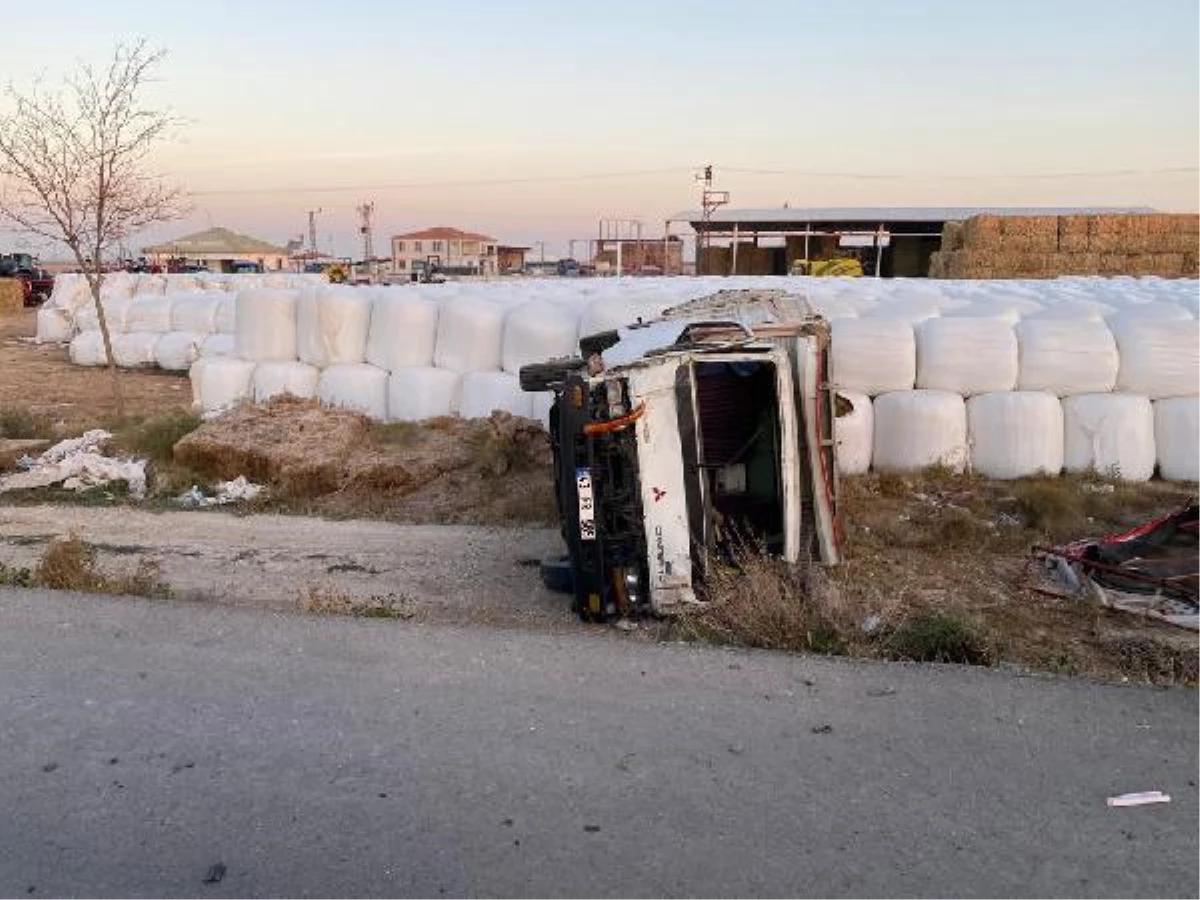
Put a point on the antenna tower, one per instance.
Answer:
(709, 201)
(365, 213)
(312, 231)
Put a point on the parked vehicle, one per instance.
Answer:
(36, 283)
(674, 439)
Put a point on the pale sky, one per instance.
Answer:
(530, 121)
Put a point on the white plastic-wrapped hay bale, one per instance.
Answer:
(608, 313)
(331, 325)
(150, 284)
(226, 318)
(275, 378)
(356, 386)
(135, 349)
(196, 311)
(1066, 357)
(873, 356)
(966, 355)
(541, 402)
(220, 383)
(1159, 357)
(1155, 309)
(54, 325)
(422, 392)
(854, 433)
(912, 309)
(1176, 435)
(149, 312)
(403, 332)
(114, 314)
(219, 345)
(482, 393)
(87, 349)
(1074, 309)
(1112, 434)
(918, 429)
(469, 335)
(1014, 434)
(537, 331)
(175, 351)
(266, 324)
(117, 285)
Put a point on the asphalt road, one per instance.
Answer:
(142, 744)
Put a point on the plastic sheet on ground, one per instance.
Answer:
(78, 465)
(226, 492)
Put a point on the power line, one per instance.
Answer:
(980, 176)
(480, 182)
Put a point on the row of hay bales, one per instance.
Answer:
(1162, 244)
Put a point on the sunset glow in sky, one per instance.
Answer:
(530, 121)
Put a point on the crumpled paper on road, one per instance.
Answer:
(79, 465)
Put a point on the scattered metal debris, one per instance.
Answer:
(1139, 799)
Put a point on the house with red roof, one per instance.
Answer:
(444, 249)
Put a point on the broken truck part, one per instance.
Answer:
(675, 438)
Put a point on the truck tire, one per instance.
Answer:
(545, 376)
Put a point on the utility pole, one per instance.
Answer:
(709, 201)
(365, 212)
(312, 232)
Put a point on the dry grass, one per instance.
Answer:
(330, 600)
(154, 437)
(69, 564)
(20, 423)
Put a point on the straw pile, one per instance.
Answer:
(1049, 246)
(12, 296)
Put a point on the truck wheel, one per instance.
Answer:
(545, 376)
(557, 575)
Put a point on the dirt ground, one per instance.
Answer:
(929, 543)
(42, 379)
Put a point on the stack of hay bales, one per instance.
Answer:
(1049, 246)
(12, 296)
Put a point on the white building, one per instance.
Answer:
(444, 249)
(220, 250)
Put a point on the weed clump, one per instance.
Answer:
(333, 601)
(940, 637)
(18, 423)
(155, 437)
(69, 564)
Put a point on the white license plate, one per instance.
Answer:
(587, 505)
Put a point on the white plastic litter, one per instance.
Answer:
(332, 322)
(855, 434)
(469, 333)
(918, 429)
(1139, 799)
(266, 324)
(54, 325)
(175, 351)
(538, 331)
(967, 356)
(422, 392)
(1110, 434)
(356, 386)
(1015, 434)
(1159, 357)
(219, 383)
(273, 379)
(1176, 435)
(226, 492)
(78, 465)
(483, 393)
(135, 349)
(151, 312)
(873, 356)
(1066, 356)
(403, 331)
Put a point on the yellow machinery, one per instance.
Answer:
(844, 268)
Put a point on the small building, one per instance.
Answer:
(444, 249)
(887, 241)
(510, 259)
(639, 256)
(219, 250)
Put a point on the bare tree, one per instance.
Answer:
(74, 166)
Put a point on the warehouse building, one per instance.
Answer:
(887, 241)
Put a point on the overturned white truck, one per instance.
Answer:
(676, 438)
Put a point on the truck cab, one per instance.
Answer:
(676, 439)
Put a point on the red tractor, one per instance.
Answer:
(36, 283)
